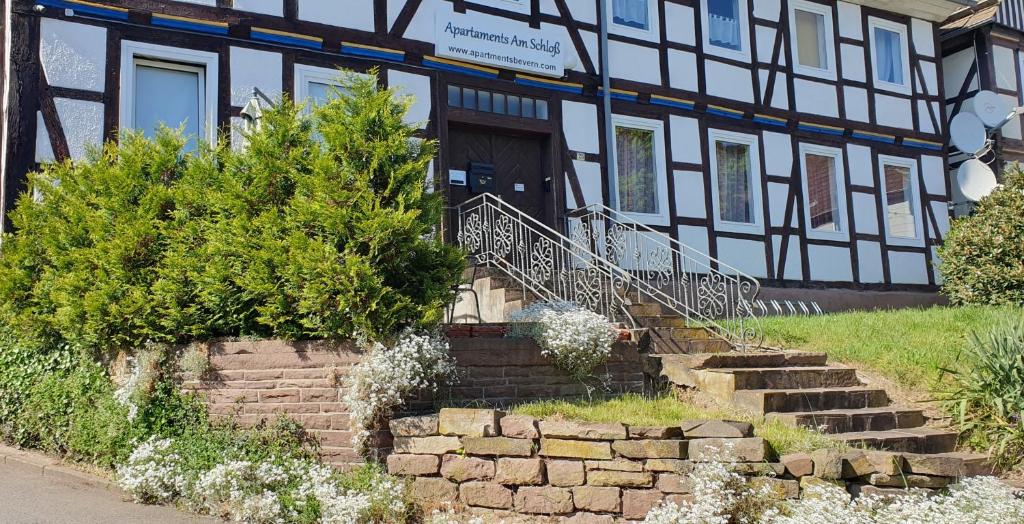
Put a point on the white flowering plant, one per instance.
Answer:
(721, 496)
(388, 376)
(576, 340)
(265, 490)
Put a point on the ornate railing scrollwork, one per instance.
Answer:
(542, 261)
(705, 291)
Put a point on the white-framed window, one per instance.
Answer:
(170, 86)
(725, 28)
(736, 181)
(814, 51)
(315, 85)
(641, 180)
(636, 17)
(824, 192)
(900, 201)
(890, 55)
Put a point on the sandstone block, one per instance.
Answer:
(759, 469)
(588, 518)
(867, 490)
(753, 449)
(427, 445)
(519, 426)
(432, 490)
(908, 481)
(581, 430)
(856, 464)
(669, 466)
(780, 488)
(798, 464)
(622, 479)
(591, 498)
(468, 422)
(828, 464)
(543, 500)
(717, 429)
(655, 432)
(938, 465)
(636, 503)
(486, 495)
(514, 447)
(460, 469)
(565, 473)
(520, 472)
(672, 483)
(575, 448)
(613, 465)
(887, 462)
(670, 449)
(415, 465)
(424, 426)
(811, 481)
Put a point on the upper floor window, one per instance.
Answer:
(315, 86)
(632, 13)
(890, 55)
(811, 27)
(902, 213)
(725, 27)
(169, 86)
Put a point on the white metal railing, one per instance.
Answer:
(705, 291)
(541, 260)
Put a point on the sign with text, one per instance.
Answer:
(499, 44)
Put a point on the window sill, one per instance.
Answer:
(742, 55)
(739, 227)
(900, 89)
(814, 72)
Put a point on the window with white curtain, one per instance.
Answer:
(736, 181)
(901, 220)
(824, 191)
(634, 14)
(724, 27)
(890, 55)
(641, 180)
(812, 30)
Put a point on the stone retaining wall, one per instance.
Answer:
(486, 460)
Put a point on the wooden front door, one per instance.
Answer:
(519, 162)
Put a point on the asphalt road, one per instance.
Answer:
(27, 497)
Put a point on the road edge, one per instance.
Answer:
(53, 468)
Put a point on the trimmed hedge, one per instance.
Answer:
(321, 227)
(982, 260)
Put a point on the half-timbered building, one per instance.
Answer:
(983, 49)
(798, 141)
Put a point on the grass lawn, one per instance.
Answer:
(909, 346)
(668, 411)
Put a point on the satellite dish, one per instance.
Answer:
(967, 132)
(990, 108)
(976, 180)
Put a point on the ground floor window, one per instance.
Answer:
(823, 190)
(902, 216)
(640, 179)
(736, 169)
(168, 86)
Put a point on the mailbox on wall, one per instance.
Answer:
(481, 177)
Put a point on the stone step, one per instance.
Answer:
(762, 401)
(760, 359)
(853, 420)
(667, 345)
(910, 440)
(662, 321)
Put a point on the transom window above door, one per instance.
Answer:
(725, 28)
(812, 30)
(497, 103)
(168, 86)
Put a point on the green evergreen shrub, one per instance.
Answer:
(982, 259)
(321, 228)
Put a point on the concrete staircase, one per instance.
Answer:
(802, 389)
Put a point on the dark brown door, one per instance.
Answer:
(519, 167)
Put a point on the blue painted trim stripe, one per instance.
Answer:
(458, 69)
(736, 115)
(189, 25)
(549, 85)
(875, 138)
(285, 39)
(88, 8)
(820, 129)
(770, 121)
(922, 144)
(668, 102)
(396, 56)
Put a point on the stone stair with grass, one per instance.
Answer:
(803, 389)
